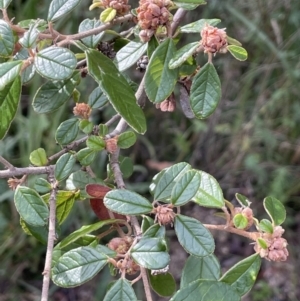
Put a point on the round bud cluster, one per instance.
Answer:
(82, 110)
(246, 212)
(120, 244)
(151, 15)
(121, 6)
(107, 49)
(168, 105)
(111, 145)
(213, 39)
(164, 215)
(276, 246)
(142, 63)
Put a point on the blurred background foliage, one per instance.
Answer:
(251, 145)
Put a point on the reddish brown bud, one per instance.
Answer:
(213, 39)
(82, 110)
(164, 215)
(13, 183)
(276, 246)
(120, 244)
(131, 267)
(168, 105)
(112, 144)
(121, 6)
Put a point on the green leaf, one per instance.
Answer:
(86, 126)
(238, 52)
(205, 91)
(232, 41)
(188, 68)
(4, 3)
(126, 166)
(126, 202)
(240, 221)
(67, 131)
(242, 200)
(97, 99)
(146, 223)
(151, 253)
(78, 180)
(159, 79)
(55, 63)
(130, 54)
(126, 139)
(163, 284)
(183, 54)
(266, 226)
(88, 24)
(42, 185)
(53, 94)
(196, 268)
(163, 189)
(64, 204)
(107, 251)
(38, 157)
(9, 101)
(6, 39)
(108, 15)
(86, 156)
(86, 240)
(8, 73)
(84, 230)
(103, 130)
(210, 193)
(152, 45)
(64, 166)
(28, 72)
(43, 24)
(59, 8)
(31, 207)
(117, 89)
(242, 276)
(121, 290)
(77, 266)
(186, 188)
(155, 231)
(206, 290)
(193, 236)
(197, 26)
(30, 36)
(187, 6)
(275, 210)
(38, 232)
(262, 243)
(95, 143)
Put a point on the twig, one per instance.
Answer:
(51, 237)
(146, 284)
(67, 39)
(115, 167)
(32, 170)
(6, 163)
(179, 15)
(250, 235)
(5, 15)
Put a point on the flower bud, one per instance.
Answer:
(213, 39)
(82, 110)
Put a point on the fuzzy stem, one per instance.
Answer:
(51, 237)
(250, 235)
(25, 171)
(6, 163)
(78, 36)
